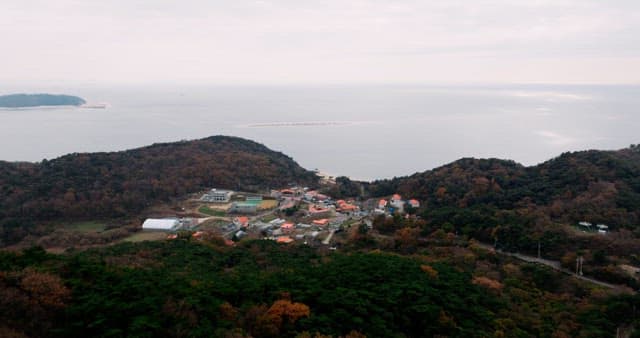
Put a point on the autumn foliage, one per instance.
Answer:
(488, 283)
(122, 184)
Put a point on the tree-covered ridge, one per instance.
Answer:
(261, 289)
(599, 186)
(117, 184)
(36, 100)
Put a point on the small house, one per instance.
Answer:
(602, 229)
(277, 222)
(321, 222)
(396, 201)
(414, 203)
(284, 239)
(585, 224)
(287, 227)
(318, 211)
(382, 204)
(241, 221)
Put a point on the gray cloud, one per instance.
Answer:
(334, 41)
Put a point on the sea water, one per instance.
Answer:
(365, 132)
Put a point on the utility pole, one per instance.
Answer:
(579, 262)
(539, 250)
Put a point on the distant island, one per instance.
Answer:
(37, 100)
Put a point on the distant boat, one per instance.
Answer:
(95, 105)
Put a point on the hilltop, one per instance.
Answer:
(578, 185)
(600, 186)
(519, 208)
(37, 100)
(121, 184)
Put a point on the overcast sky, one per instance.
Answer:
(328, 41)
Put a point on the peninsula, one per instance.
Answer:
(38, 100)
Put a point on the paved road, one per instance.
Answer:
(556, 266)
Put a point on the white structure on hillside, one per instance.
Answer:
(585, 224)
(414, 203)
(602, 229)
(217, 195)
(161, 224)
(397, 202)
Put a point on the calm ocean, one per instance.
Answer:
(365, 132)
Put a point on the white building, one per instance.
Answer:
(585, 224)
(414, 203)
(164, 224)
(217, 195)
(397, 202)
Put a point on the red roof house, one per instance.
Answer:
(321, 222)
(284, 239)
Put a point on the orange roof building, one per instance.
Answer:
(241, 221)
(321, 197)
(345, 206)
(321, 222)
(348, 207)
(284, 239)
(414, 203)
(396, 197)
(314, 209)
(287, 227)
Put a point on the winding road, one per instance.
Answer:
(556, 266)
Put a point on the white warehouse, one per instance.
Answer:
(161, 224)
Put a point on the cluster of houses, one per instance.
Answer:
(283, 231)
(601, 228)
(395, 204)
(316, 213)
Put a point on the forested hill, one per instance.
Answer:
(184, 288)
(599, 186)
(123, 183)
(36, 100)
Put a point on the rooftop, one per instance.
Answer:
(284, 239)
(160, 224)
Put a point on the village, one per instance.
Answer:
(287, 215)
